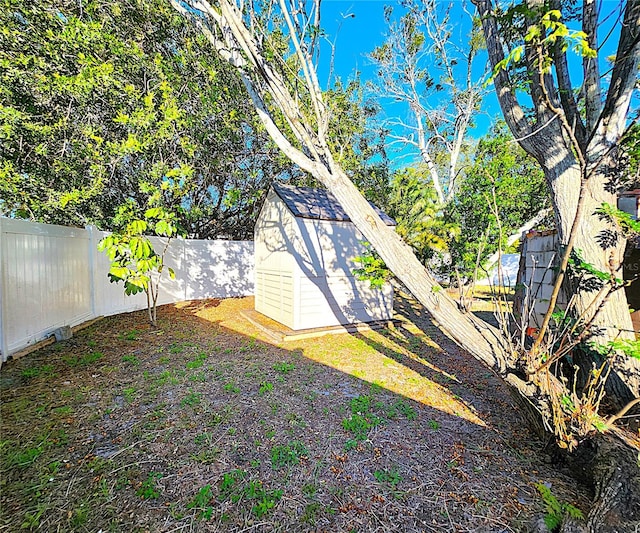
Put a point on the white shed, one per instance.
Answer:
(305, 245)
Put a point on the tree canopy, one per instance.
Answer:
(102, 102)
(502, 190)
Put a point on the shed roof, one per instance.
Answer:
(319, 204)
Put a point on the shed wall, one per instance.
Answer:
(328, 293)
(304, 271)
(274, 260)
(334, 300)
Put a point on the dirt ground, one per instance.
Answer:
(203, 424)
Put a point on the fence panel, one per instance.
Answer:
(537, 278)
(53, 276)
(45, 280)
(218, 269)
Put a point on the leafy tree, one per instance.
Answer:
(502, 190)
(135, 261)
(421, 67)
(99, 96)
(414, 205)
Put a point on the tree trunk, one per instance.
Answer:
(610, 467)
(605, 463)
(611, 317)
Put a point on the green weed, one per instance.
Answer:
(203, 438)
(265, 500)
(79, 516)
(360, 404)
(27, 455)
(284, 368)
(359, 425)
(392, 477)
(65, 410)
(34, 372)
(295, 420)
(556, 510)
(220, 417)
(231, 387)
(179, 347)
(229, 484)
(85, 360)
(310, 489)
(265, 387)
(129, 394)
(288, 454)
(197, 361)
(207, 456)
(198, 377)
(433, 424)
(148, 489)
(311, 512)
(192, 399)
(231, 488)
(32, 519)
(129, 335)
(402, 407)
(131, 359)
(201, 502)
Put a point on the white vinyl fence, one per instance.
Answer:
(54, 276)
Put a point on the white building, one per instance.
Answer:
(305, 250)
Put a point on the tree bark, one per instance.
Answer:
(610, 467)
(612, 319)
(559, 155)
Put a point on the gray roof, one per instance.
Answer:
(319, 204)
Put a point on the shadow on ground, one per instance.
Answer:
(203, 425)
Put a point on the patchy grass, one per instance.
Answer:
(202, 424)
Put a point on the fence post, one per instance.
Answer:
(93, 248)
(4, 341)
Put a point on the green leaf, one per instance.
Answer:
(118, 271)
(153, 212)
(137, 227)
(517, 53)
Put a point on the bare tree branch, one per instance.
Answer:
(511, 109)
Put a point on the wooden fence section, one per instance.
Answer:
(54, 276)
(537, 276)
